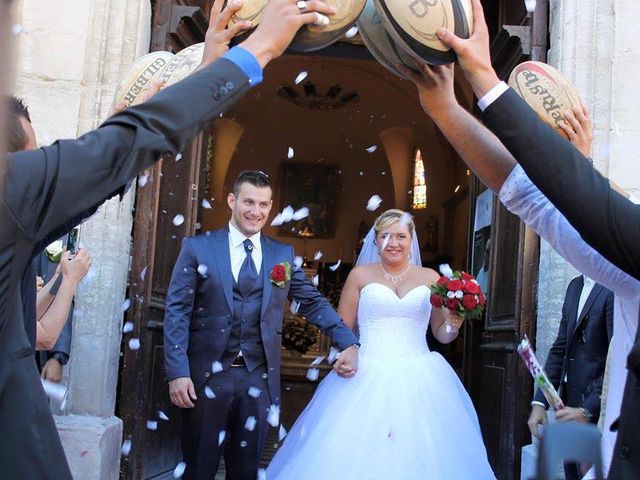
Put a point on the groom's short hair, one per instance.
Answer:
(254, 177)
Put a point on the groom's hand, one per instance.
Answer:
(182, 391)
(347, 363)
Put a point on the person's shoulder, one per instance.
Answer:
(362, 272)
(429, 275)
(274, 242)
(204, 237)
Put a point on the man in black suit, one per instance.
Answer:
(607, 220)
(47, 191)
(576, 361)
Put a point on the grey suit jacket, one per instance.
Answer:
(47, 191)
(199, 308)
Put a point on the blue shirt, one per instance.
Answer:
(247, 63)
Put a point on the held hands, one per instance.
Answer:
(182, 392)
(74, 269)
(579, 128)
(346, 364)
(537, 417)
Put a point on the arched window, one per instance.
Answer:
(419, 200)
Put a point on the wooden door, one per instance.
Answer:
(166, 211)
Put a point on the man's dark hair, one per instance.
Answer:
(254, 177)
(17, 137)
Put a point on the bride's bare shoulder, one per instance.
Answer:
(429, 275)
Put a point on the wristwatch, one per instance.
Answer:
(61, 357)
(586, 413)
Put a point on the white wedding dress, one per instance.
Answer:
(403, 416)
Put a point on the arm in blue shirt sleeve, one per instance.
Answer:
(247, 63)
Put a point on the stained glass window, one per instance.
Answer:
(419, 200)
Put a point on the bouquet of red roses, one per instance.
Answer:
(459, 292)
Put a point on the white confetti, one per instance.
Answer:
(277, 221)
(209, 393)
(143, 273)
(152, 425)
(293, 308)
(250, 424)
(351, 32)
(216, 367)
(406, 218)
(317, 256)
(371, 149)
(254, 392)
(300, 214)
(301, 76)
(334, 353)
(297, 262)
(262, 474)
(126, 447)
(178, 157)
(221, 436)
(445, 270)
(162, 416)
(315, 280)
(206, 204)
(374, 202)
(17, 29)
(313, 374)
(317, 361)
(202, 269)
(143, 180)
(178, 220)
(282, 432)
(128, 327)
(385, 242)
(335, 267)
(243, 443)
(273, 417)
(287, 214)
(530, 5)
(179, 471)
(290, 153)
(134, 344)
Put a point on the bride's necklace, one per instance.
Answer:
(394, 279)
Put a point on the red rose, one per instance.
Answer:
(452, 303)
(481, 299)
(279, 273)
(469, 302)
(454, 285)
(472, 288)
(443, 281)
(466, 276)
(436, 300)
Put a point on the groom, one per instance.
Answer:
(223, 330)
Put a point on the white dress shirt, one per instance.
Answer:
(521, 197)
(237, 253)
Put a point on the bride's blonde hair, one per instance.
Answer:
(392, 216)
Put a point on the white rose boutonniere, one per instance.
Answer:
(54, 251)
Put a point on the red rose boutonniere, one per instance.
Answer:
(280, 274)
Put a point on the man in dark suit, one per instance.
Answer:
(607, 220)
(223, 332)
(576, 361)
(47, 191)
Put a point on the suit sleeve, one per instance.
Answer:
(605, 219)
(45, 188)
(179, 308)
(317, 309)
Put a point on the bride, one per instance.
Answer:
(404, 415)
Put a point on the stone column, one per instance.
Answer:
(71, 56)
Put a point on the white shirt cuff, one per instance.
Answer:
(492, 95)
(512, 185)
(539, 403)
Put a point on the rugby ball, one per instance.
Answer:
(138, 76)
(546, 90)
(182, 64)
(314, 37)
(251, 10)
(413, 25)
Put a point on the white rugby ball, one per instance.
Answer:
(138, 76)
(182, 64)
(413, 25)
(547, 91)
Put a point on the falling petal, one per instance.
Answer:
(287, 214)
(221, 436)
(250, 424)
(371, 149)
(17, 29)
(126, 304)
(282, 433)
(254, 392)
(216, 367)
(335, 267)
(295, 305)
(315, 280)
(374, 202)
(273, 417)
(152, 424)
(178, 220)
(126, 447)
(209, 393)
(334, 353)
(317, 361)
(301, 76)
(178, 157)
(179, 471)
(206, 204)
(134, 344)
(385, 242)
(128, 327)
(313, 374)
(530, 5)
(202, 269)
(351, 32)
(300, 214)
(243, 443)
(143, 273)
(317, 256)
(143, 180)
(277, 221)
(297, 262)
(445, 270)
(162, 416)
(290, 153)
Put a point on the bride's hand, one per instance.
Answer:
(454, 320)
(347, 363)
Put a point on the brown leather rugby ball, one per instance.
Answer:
(138, 76)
